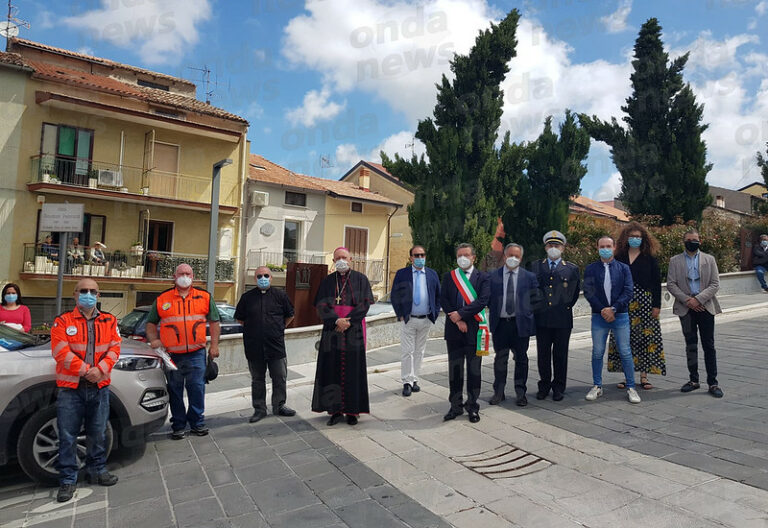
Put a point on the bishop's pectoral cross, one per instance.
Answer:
(338, 299)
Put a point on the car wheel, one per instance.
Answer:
(38, 446)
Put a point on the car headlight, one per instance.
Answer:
(137, 363)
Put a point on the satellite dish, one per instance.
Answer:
(8, 29)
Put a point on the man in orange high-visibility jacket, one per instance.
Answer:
(85, 344)
(181, 314)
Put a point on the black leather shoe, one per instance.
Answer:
(407, 389)
(452, 414)
(522, 401)
(285, 411)
(474, 416)
(334, 419)
(415, 387)
(716, 391)
(541, 395)
(66, 491)
(351, 419)
(557, 396)
(199, 431)
(497, 398)
(257, 415)
(102, 479)
(690, 386)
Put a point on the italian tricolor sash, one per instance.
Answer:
(469, 295)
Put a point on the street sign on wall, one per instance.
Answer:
(62, 218)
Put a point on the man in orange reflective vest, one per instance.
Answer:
(181, 314)
(85, 344)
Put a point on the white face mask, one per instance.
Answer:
(463, 262)
(513, 262)
(554, 253)
(341, 265)
(184, 281)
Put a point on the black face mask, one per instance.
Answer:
(692, 245)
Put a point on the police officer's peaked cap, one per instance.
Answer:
(554, 236)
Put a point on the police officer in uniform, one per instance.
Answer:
(559, 281)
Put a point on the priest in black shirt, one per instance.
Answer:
(342, 302)
(264, 313)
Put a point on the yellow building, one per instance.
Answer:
(377, 179)
(136, 148)
(293, 217)
(755, 189)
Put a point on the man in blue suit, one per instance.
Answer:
(416, 300)
(513, 292)
(464, 295)
(608, 287)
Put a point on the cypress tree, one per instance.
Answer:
(659, 151)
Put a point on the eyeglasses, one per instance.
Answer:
(419, 255)
(86, 290)
(265, 276)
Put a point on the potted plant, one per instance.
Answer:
(93, 179)
(137, 250)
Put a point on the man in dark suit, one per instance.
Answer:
(559, 282)
(416, 300)
(513, 290)
(464, 296)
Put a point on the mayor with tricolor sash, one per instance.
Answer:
(464, 295)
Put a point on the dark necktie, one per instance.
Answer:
(552, 265)
(510, 304)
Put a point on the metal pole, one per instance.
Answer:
(62, 262)
(213, 238)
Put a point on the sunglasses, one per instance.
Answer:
(265, 276)
(86, 290)
(419, 255)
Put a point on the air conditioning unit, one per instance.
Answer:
(110, 178)
(259, 199)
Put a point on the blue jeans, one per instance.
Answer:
(760, 272)
(89, 403)
(190, 373)
(620, 329)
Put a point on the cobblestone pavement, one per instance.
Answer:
(675, 460)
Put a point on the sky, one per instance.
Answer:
(325, 83)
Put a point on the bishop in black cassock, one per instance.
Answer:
(342, 302)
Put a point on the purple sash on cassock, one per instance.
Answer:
(343, 311)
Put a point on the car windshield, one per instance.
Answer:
(227, 313)
(11, 339)
(128, 323)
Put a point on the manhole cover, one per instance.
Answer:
(503, 462)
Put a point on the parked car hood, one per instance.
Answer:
(127, 347)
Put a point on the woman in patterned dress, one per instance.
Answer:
(637, 248)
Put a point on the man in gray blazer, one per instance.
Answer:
(693, 280)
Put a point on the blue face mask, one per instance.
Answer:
(635, 242)
(262, 283)
(764, 243)
(605, 253)
(419, 262)
(11, 297)
(86, 300)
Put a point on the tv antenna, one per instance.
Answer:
(325, 163)
(412, 146)
(206, 80)
(9, 27)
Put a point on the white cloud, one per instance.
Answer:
(159, 31)
(761, 8)
(403, 143)
(315, 108)
(616, 22)
(710, 54)
(610, 189)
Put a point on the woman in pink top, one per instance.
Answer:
(12, 312)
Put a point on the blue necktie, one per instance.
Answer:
(552, 265)
(417, 289)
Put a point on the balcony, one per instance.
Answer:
(41, 261)
(95, 179)
(278, 261)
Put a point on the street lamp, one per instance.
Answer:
(213, 239)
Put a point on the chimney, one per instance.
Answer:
(364, 179)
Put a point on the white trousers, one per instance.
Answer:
(413, 342)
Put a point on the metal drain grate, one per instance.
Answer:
(503, 462)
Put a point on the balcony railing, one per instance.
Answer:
(276, 260)
(90, 174)
(133, 263)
